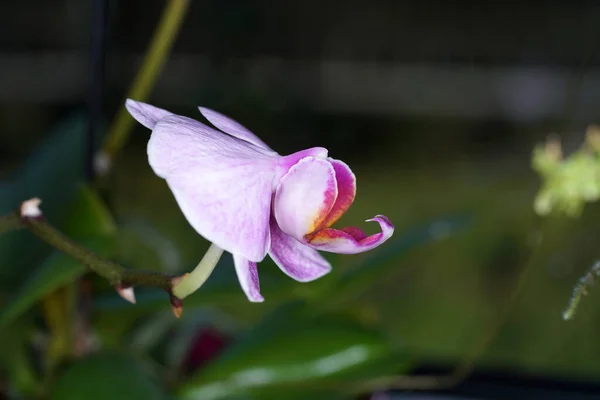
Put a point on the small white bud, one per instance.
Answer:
(31, 208)
(127, 293)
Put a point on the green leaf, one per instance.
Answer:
(140, 243)
(290, 349)
(306, 394)
(106, 376)
(51, 173)
(295, 394)
(15, 357)
(383, 260)
(56, 271)
(91, 224)
(88, 216)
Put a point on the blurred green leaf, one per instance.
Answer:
(91, 224)
(295, 394)
(88, 216)
(15, 359)
(51, 173)
(291, 349)
(307, 394)
(106, 376)
(140, 243)
(380, 262)
(56, 271)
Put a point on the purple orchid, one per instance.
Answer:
(249, 200)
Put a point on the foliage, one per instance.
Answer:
(568, 184)
(571, 182)
(92, 344)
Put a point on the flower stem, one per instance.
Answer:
(161, 43)
(580, 290)
(114, 273)
(189, 283)
(29, 216)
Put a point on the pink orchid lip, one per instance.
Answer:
(312, 196)
(239, 194)
(351, 240)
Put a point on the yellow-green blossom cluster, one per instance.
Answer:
(568, 183)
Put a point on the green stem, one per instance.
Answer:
(178, 287)
(59, 241)
(112, 272)
(157, 54)
(580, 290)
(191, 282)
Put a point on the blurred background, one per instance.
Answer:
(435, 105)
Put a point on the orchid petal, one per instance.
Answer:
(223, 185)
(304, 197)
(292, 159)
(285, 163)
(247, 274)
(232, 127)
(351, 240)
(297, 260)
(346, 185)
(145, 114)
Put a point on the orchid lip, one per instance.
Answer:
(351, 241)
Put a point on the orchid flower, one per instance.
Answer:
(248, 200)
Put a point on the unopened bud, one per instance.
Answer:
(31, 208)
(126, 292)
(176, 306)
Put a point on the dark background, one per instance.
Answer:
(436, 106)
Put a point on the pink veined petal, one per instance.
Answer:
(232, 127)
(223, 185)
(145, 114)
(297, 260)
(346, 185)
(351, 240)
(304, 197)
(247, 274)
